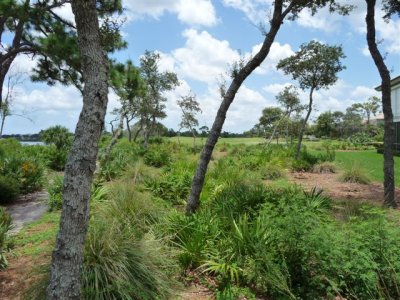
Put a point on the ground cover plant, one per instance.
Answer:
(249, 239)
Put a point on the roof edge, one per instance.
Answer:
(395, 81)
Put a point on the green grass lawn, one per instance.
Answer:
(234, 141)
(370, 161)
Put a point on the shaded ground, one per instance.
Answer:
(332, 187)
(26, 209)
(19, 276)
(16, 278)
(197, 292)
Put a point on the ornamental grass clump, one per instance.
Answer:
(356, 174)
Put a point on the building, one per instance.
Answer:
(395, 98)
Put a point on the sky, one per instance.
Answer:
(199, 40)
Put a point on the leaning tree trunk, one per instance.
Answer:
(388, 138)
(129, 129)
(116, 134)
(67, 257)
(229, 96)
(303, 127)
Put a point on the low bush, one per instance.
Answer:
(272, 172)
(56, 158)
(285, 244)
(157, 157)
(174, 184)
(26, 171)
(31, 176)
(323, 168)
(55, 190)
(122, 155)
(9, 189)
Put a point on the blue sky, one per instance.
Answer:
(199, 39)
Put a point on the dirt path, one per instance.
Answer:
(333, 187)
(26, 209)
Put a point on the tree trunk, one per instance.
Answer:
(229, 96)
(146, 135)
(114, 139)
(129, 129)
(67, 257)
(273, 132)
(303, 127)
(388, 138)
(3, 118)
(4, 68)
(194, 139)
(137, 132)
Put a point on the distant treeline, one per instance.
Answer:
(23, 137)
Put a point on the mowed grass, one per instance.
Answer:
(233, 141)
(370, 161)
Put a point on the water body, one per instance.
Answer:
(31, 143)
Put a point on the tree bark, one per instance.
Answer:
(3, 118)
(67, 257)
(388, 137)
(229, 96)
(301, 133)
(137, 132)
(129, 129)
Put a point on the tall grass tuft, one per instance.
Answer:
(118, 265)
(356, 174)
(5, 226)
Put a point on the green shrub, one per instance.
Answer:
(157, 157)
(56, 158)
(272, 172)
(285, 245)
(31, 176)
(27, 171)
(301, 165)
(55, 191)
(194, 236)
(123, 154)
(174, 184)
(355, 174)
(9, 189)
(5, 226)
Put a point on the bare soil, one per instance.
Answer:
(19, 276)
(332, 186)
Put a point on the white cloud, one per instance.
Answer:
(276, 53)
(387, 31)
(24, 63)
(365, 51)
(193, 12)
(65, 98)
(362, 93)
(65, 12)
(275, 88)
(322, 20)
(243, 113)
(203, 58)
(257, 11)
